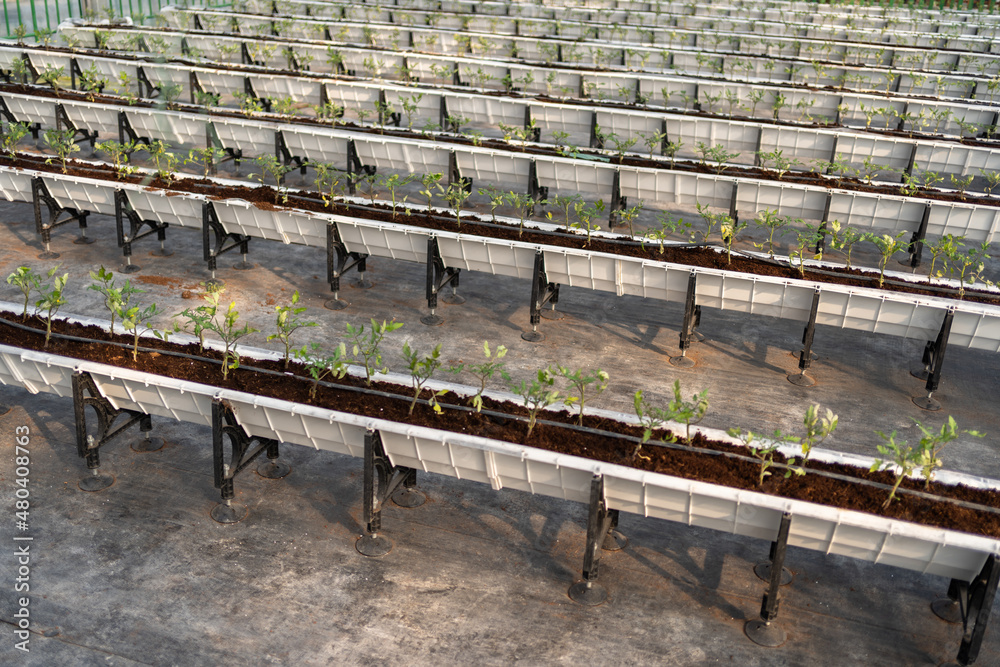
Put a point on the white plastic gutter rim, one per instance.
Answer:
(868, 537)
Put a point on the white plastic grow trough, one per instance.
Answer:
(503, 465)
(299, 227)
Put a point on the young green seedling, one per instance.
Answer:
(496, 196)
(689, 412)
(164, 161)
(322, 366)
(205, 158)
(587, 216)
(486, 370)
(818, 428)
(51, 300)
(773, 223)
(8, 142)
(25, 280)
(288, 322)
(61, 141)
(276, 169)
(579, 381)
(537, 394)
(524, 204)
(119, 154)
(763, 450)
(456, 195)
(136, 320)
(421, 369)
(931, 444)
(366, 346)
(201, 317)
(946, 246)
(392, 184)
(887, 246)
(430, 181)
(899, 455)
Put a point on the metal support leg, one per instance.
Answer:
(243, 450)
(916, 245)
(763, 631)
(408, 495)
(214, 238)
(40, 195)
(86, 393)
(601, 524)
(692, 318)
(936, 354)
(273, 469)
(542, 292)
(339, 261)
(381, 482)
(147, 443)
(619, 202)
(763, 568)
(438, 276)
(805, 354)
(125, 213)
(974, 602)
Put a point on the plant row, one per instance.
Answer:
(364, 346)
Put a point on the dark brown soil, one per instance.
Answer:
(602, 441)
(265, 197)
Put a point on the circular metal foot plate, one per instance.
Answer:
(765, 634)
(373, 546)
(533, 336)
(273, 469)
(336, 304)
(763, 572)
(591, 594)
(432, 320)
(83, 240)
(919, 373)
(797, 353)
(131, 268)
(453, 299)
(614, 541)
(361, 283)
(93, 483)
(409, 498)
(681, 362)
(801, 380)
(152, 444)
(243, 266)
(947, 610)
(926, 403)
(553, 315)
(161, 252)
(232, 513)
(49, 255)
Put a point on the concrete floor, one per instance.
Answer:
(139, 573)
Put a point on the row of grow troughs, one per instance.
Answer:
(649, 77)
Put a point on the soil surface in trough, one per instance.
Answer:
(265, 197)
(554, 432)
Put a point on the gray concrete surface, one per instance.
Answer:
(139, 573)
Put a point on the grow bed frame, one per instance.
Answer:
(393, 452)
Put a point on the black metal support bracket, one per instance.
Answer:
(916, 246)
(146, 87)
(455, 174)
(194, 87)
(212, 140)
(284, 155)
(934, 360)
(127, 133)
(536, 132)
(86, 393)
(822, 230)
(356, 171)
(619, 202)
(971, 603)
(248, 89)
(805, 354)
(338, 262)
(762, 631)
(40, 195)
(596, 137)
(247, 59)
(438, 277)
(214, 238)
(602, 533)
(63, 121)
(124, 212)
(6, 114)
(692, 318)
(395, 117)
(243, 450)
(536, 191)
(542, 292)
(381, 481)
